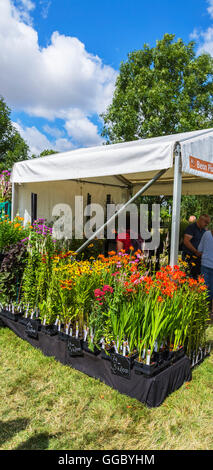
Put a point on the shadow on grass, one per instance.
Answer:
(9, 428)
(36, 442)
(39, 441)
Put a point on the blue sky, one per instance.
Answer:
(59, 59)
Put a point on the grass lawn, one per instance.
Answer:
(46, 405)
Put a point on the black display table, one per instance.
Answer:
(151, 391)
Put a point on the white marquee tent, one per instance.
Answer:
(177, 164)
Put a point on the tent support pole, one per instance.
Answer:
(132, 199)
(13, 202)
(177, 186)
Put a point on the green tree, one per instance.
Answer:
(161, 90)
(47, 152)
(12, 147)
(44, 153)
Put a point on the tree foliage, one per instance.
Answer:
(12, 147)
(161, 90)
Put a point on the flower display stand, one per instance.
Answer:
(151, 391)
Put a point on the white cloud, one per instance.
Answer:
(82, 130)
(205, 38)
(63, 145)
(38, 142)
(210, 7)
(22, 9)
(53, 131)
(206, 44)
(45, 5)
(51, 81)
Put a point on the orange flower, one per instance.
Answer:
(202, 287)
(201, 280)
(160, 299)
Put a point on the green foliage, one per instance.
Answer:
(12, 147)
(37, 277)
(45, 153)
(161, 90)
(11, 272)
(11, 232)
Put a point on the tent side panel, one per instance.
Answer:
(50, 194)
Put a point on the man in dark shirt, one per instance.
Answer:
(191, 240)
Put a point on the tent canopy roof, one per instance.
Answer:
(131, 162)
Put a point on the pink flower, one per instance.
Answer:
(107, 288)
(98, 292)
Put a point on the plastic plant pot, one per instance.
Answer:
(11, 316)
(63, 336)
(122, 365)
(50, 330)
(85, 347)
(148, 370)
(105, 353)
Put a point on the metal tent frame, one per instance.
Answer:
(178, 183)
(175, 210)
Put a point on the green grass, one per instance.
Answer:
(45, 405)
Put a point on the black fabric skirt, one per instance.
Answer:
(151, 391)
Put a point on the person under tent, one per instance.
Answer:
(192, 237)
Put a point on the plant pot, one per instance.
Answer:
(122, 365)
(74, 346)
(207, 349)
(32, 328)
(23, 320)
(50, 330)
(148, 370)
(63, 336)
(11, 316)
(174, 356)
(85, 347)
(105, 353)
(161, 356)
(162, 359)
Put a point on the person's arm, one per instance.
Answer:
(188, 244)
(201, 244)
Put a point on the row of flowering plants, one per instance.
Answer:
(111, 303)
(5, 186)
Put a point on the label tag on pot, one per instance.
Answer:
(31, 329)
(120, 365)
(74, 346)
